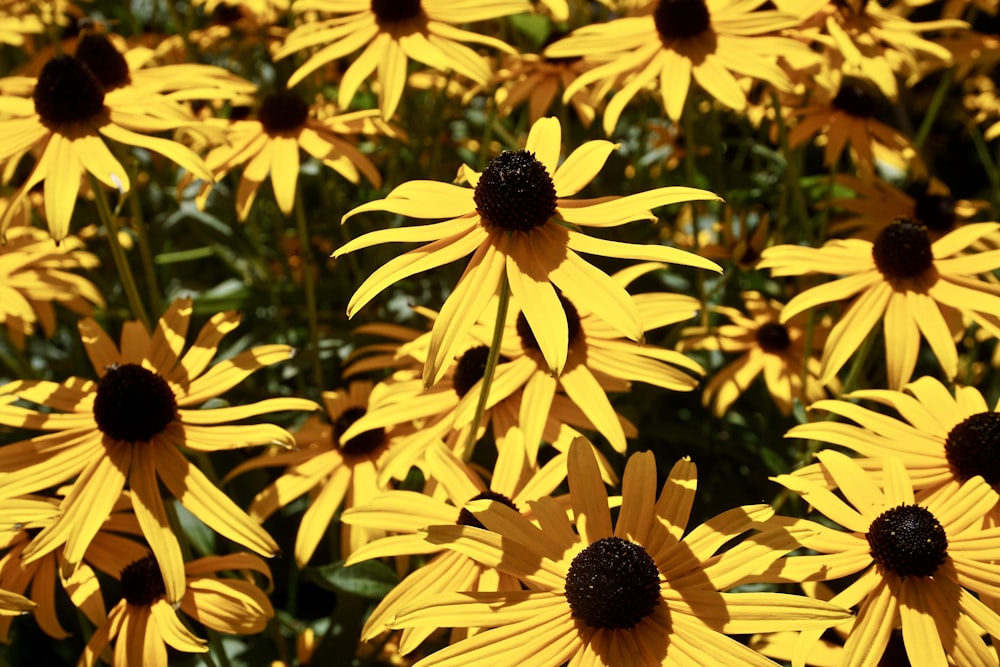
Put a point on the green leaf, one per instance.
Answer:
(370, 579)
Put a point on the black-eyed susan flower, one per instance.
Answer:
(538, 81)
(670, 43)
(515, 482)
(390, 33)
(145, 621)
(913, 286)
(129, 427)
(639, 592)
(515, 221)
(36, 274)
(918, 561)
(766, 346)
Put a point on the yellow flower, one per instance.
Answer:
(537, 80)
(918, 558)
(914, 287)
(391, 32)
(35, 273)
(128, 428)
(512, 221)
(632, 593)
(677, 41)
(145, 621)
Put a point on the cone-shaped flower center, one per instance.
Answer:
(395, 11)
(67, 92)
(936, 212)
(106, 62)
(677, 19)
(142, 582)
(133, 404)
(909, 541)
(515, 192)
(973, 447)
(528, 340)
(363, 445)
(773, 337)
(471, 368)
(903, 250)
(855, 99)
(467, 518)
(282, 111)
(613, 583)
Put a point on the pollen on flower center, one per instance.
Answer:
(613, 583)
(471, 368)
(973, 447)
(909, 541)
(67, 92)
(677, 19)
(282, 111)
(104, 60)
(142, 582)
(362, 445)
(855, 99)
(773, 337)
(936, 212)
(133, 404)
(467, 518)
(528, 340)
(395, 11)
(903, 250)
(515, 192)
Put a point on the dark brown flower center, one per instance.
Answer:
(613, 583)
(973, 447)
(515, 192)
(142, 582)
(909, 541)
(677, 19)
(528, 340)
(471, 368)
(936, 212)
(133, 404)
(67, 92)
(903, 250)
(282, 111)
(773, 337)
(107, 63)
(365, 444)
(467, 518)
(395, 11)
(856, 99)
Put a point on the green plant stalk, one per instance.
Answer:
(118, 254)
(934, 109)
(691, 178)
(146, 253)
(983, 152)
(491, 367)
(309, 283)
(793, 188)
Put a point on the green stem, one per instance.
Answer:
(146, 253)
(118, 254)
(309, 281)
(935, 107)
(853, 375)
(491, 366)
(691, 178)
(793, 189)
(992, 173)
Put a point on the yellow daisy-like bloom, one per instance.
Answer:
(35, 273)
(768, 346)
(343, 470)
(270, 145)
(940, 438)
(537, 80)
(918, 561)
(391, 32)
(708, 41)
(145, 621)
(515, 222)
(913, 286)
(16, 25)
(128, 428)
(516, 482)
(633, 593)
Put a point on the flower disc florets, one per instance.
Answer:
(973, 448)
(282, 111)
(903, 250)
(362, 445)
(936, 212)
(909, 541)
(67, 92)
(773, 337)
(613, 583)
(677, 19)
(467, 518)
(515, 192)
(855, 99)
(133, 404)
(395, 11)
(471, 368)
(528, 340)
(106, 62)
(142, 582)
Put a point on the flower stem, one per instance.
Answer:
(491, 366)
(309, 281)
(118, 254)
(932, 111)
(146, 253)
